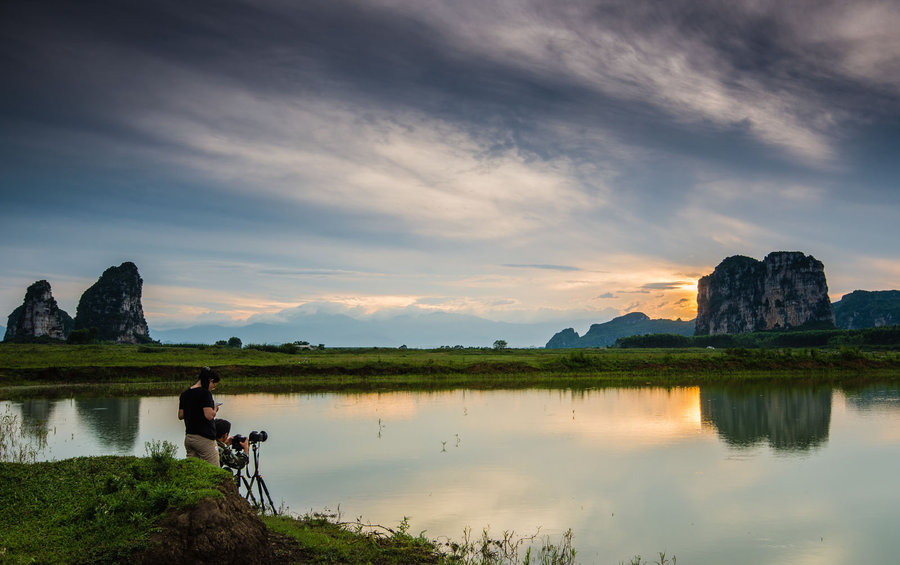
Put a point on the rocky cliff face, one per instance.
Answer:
(784, 290)
(564, 339)
(38, 316)
(113, 306)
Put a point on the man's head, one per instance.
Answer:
(207, 376)
(223, 428)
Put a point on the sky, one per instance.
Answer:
(521, 161)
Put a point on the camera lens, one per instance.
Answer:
(258, 436)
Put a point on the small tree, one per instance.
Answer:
(84, 336)
(234, 342)
(500, 344)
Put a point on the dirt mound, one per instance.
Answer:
(217, 531)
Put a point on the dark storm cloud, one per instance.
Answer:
(100, 53)
(733, 85)
(90, 64)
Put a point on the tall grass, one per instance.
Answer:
(20, 442)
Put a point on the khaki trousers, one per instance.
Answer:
(201, 448)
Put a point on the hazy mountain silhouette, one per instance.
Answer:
(635, 323)
(340, 330)
(867, 309)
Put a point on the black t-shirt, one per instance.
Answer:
(192, 402)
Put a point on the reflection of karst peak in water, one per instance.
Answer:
(36, 413)
(789, 419)
(115, 421)
(882, 397)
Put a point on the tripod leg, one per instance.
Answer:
(260, 484)
(249, 484)
(262, 487)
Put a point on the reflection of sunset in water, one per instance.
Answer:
(634, 417)
(743, 474)
(622, 418)
(394, 405)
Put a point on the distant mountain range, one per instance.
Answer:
(338, 330)
(855, 310)
(866, 309)
(635, 323)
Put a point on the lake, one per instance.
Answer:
(739, 475)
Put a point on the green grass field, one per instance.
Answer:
(61, 370)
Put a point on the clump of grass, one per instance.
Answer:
(161, 455)
(578, 360)
(663, 560)
(510, 549)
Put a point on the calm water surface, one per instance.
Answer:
(750, 475)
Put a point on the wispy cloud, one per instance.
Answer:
(545, 267)
(666, 285)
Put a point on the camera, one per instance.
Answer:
(255, 437)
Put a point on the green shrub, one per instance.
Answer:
(161, 454)
(286, 348)
(83, 336)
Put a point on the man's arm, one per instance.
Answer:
(181, 413)
(231, 458)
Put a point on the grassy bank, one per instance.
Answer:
(93, 509)
(62, 370)
(117, 509)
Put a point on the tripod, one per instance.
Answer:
(260, 484)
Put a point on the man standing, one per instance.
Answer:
(198, 410)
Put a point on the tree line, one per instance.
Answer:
(887, 337)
